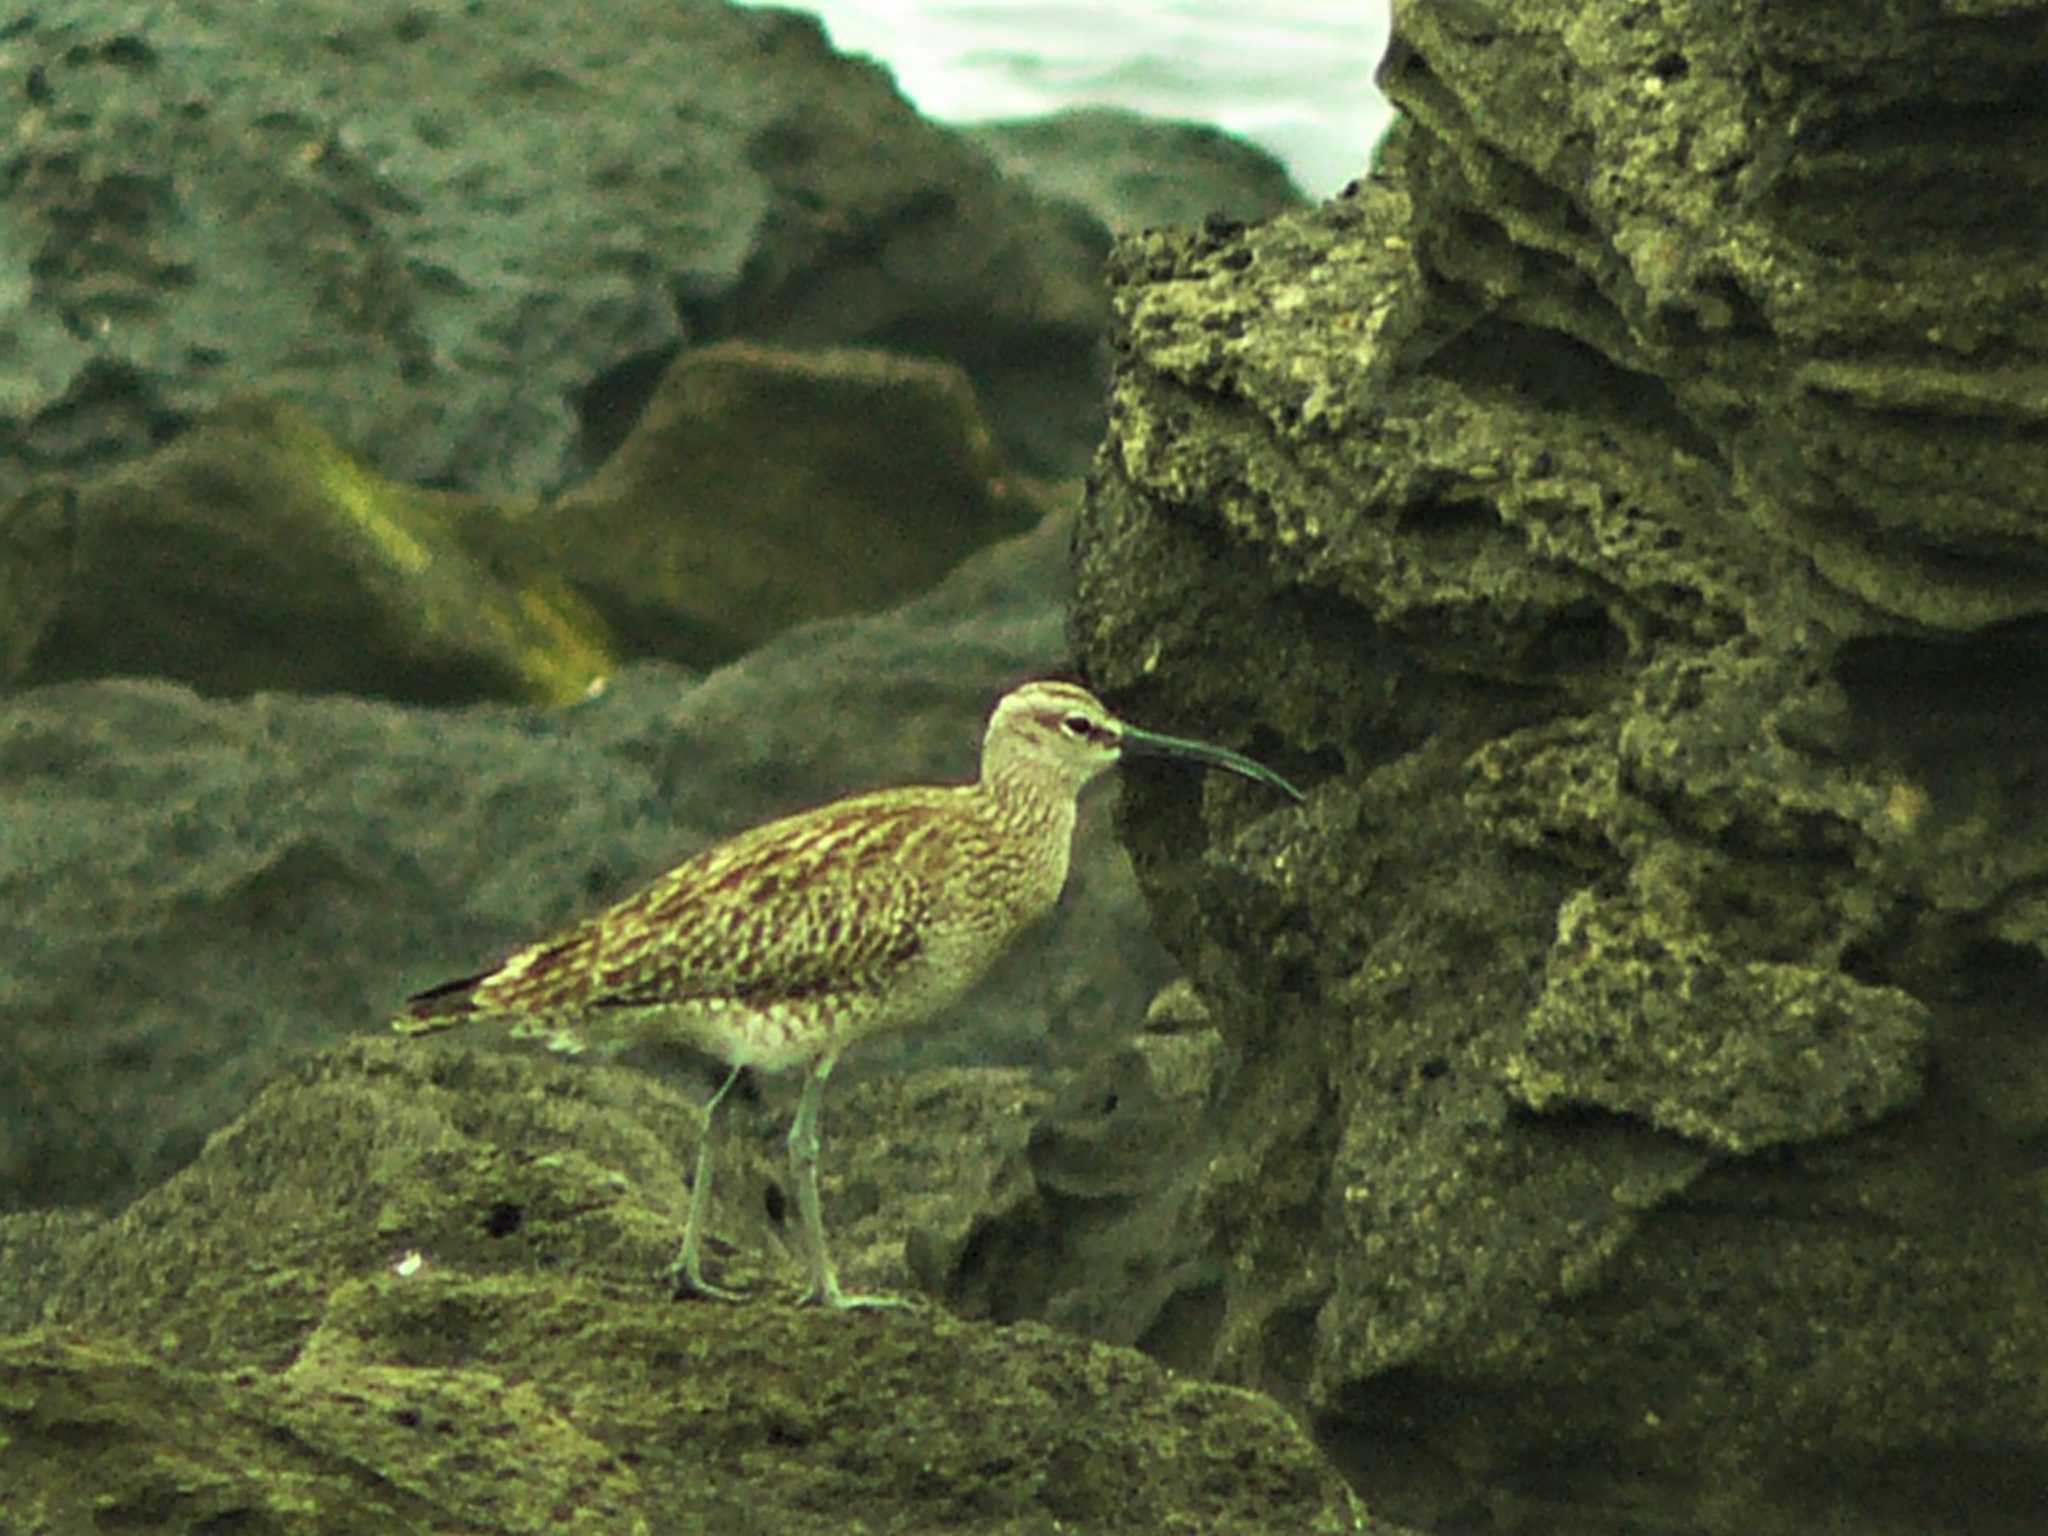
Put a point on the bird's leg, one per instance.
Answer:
(803, 1168)
(686, 1273)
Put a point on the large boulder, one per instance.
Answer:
(1626, 508)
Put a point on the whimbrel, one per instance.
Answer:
(790, 942)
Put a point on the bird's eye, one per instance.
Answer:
(1079, 726)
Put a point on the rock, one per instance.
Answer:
(458, 239)
(255, 552)
(1623, 510)
(38, 534)
(761, 489)
(420, 1286)
(1135, 172)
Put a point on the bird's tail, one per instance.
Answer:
(441, 1007)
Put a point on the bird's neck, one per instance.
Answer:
(1030, 827)
(1025, 803)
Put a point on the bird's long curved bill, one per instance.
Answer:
(1137, 743)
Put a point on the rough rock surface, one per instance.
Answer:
(1627, 510)
(758, 490)
(461, 237)
(306, 314)
(1135, 172)
(255, 552)
(417, 1287)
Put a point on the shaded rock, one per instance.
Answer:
(1589, 509)
(255, 552)
(457, 238)
(37, 536)
(185, 1451)
(762, 488)
(1132, 172)
(432, 1270)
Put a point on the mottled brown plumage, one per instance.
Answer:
(789, 942)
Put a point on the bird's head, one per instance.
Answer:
(1054, 737)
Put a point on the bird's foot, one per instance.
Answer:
(826, 1293)
(686, 1280)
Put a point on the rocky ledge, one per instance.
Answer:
(1627, 506)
